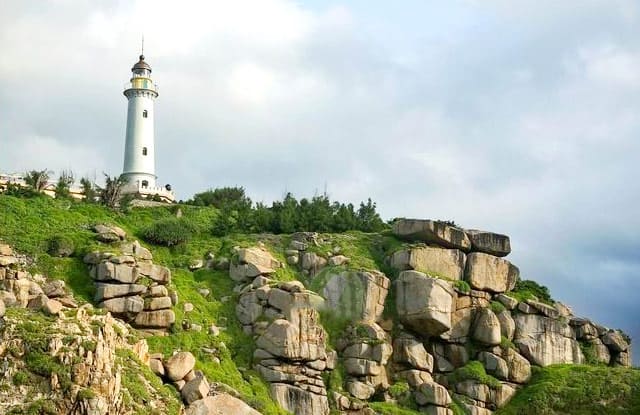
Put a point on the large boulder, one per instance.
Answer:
(519, 367)
(489, 242)
(221, 404)
(355, 295)
(545, 341)
(155, 319)
(486, 328)
(410, 351)
(615, 341)
(133, 304)
(257, 256)
(299, 401)
(424, 303)
(109, 233)
(123, 273)
(299, 338)
(449, 263)
(177, 366)
(106, 291)
(489, 273)
(434, 232)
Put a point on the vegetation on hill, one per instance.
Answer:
(57, 233)
(578, 389)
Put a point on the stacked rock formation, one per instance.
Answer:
(291, 354)
(311, 263)
(132, 287)
(19, 288)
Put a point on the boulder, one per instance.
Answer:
(490, 243)
(312, 262)
(156, 367)
(299, 338)
(424, 303)
(355, 295)
(615, 341)
(243, 272)
(461, 321)
(178, 365)
(507, 324)
(494, 365)
(133, 304)
(155, 319)
(299, 401)
(432, 393)
(519, 367)
(489, 273)
(502, 395)
(106, 291)
(473, 389)
(220, 404)
(257, 256)
(194, 389)
(412, 352)
(601, 353)
(157, 273)
(109, 271)
(158, 303)
(545, 341)
(337, 260)
(509, 302)
(449, 263)
(430, 231)
(486, 328)
(109, 233)
(360, 390)
(158, 291)
(52, 307)
(55, 288)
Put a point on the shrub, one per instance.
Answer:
(169, 232)
(527, 289)
(462, 286)
(20, 378)
(60, 246)
(497, 307)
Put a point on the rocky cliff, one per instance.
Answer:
(429, 317)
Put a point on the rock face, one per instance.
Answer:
(119, 289)
(490, 273)
(356, 295)
(423, 303)
(449, 263)
(545, 341)
(431, 231)
(221, 404)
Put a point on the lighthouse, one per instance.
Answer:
(139, 171)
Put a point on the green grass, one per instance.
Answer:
(475, 371)
(578, 390)
(386, 408)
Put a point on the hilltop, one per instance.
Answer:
(180, 306)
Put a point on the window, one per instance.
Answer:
(145, 114)
(144, 151)
(145, 184)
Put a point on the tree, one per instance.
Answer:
(88, 190)
(37, 179)
(368, 218)
(63, 186)
(111, 192)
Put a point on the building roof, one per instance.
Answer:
(141, 64)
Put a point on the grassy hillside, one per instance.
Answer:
(29, 224)
(578, 390)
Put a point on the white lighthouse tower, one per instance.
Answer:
(139, 152)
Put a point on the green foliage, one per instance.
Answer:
(88, 190)
(38, 407)
(169, 232)
(20, 378)
(37, 179)
(85, 394)
(497, 307)
(578, 389)
(505, 343)
(63, 185)
(462, 286)
(112, 190)
(527, 289)
(60, 246)
(473, 370)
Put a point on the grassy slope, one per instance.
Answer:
(27, 224)
(579, 390)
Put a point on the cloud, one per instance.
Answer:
(519, 118)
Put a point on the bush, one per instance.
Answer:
(20, 378)
(169, 232)
(497, 307)
(60, 246)
(474, 370)
(527, 289)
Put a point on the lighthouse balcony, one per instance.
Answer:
(157, 193)
(141, 83)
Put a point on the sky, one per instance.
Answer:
(520, 117)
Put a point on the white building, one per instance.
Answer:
(139, 151)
